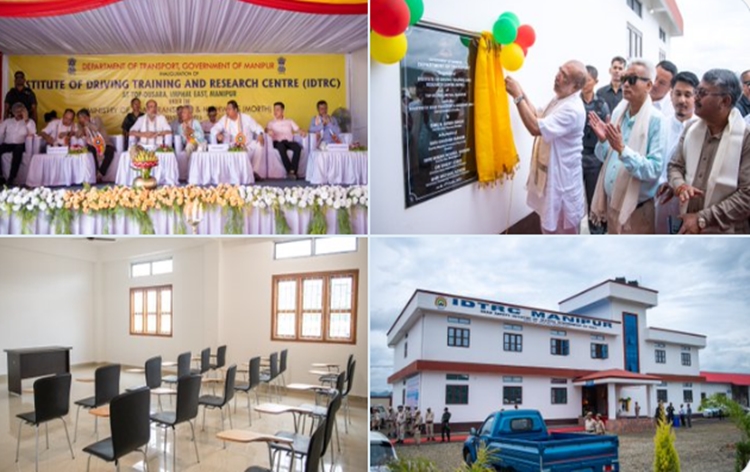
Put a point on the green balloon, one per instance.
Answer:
(505, 31)
(513, 17)
(465, 41)
(416, 10)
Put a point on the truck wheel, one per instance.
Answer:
(467, 457)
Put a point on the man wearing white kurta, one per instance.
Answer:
(59, 132)
(13, 134)
(237, 127)
(555, 185)
(151, 128)
(661, 92)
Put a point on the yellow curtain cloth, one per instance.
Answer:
(495, 148)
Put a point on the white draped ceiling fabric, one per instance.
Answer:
(184, 27)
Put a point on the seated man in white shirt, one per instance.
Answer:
(58, 132)
(93, 136)
(190, 131)
(151, 128)
(282, 130)
(237, 128)
(13, 133)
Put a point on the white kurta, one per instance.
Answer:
(675, 129)
(231, 128)
(143, 124)
(564, 198)
(665, 106)
(55, 128)
(13, 131)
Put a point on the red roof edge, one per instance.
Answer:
(727, 377)
(674, 11)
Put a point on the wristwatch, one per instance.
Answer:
(702, 223)
(519, 99)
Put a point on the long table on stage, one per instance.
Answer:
(35, 362)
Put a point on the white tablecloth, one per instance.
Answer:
(52, 170)
(166, 222)
(166, 173)
(337, 168)
(213, 168)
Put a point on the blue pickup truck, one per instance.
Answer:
(518, 441)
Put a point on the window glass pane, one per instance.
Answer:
(161, 267)
(140, 269)
(289, 249)
(333, 245)
(340, 326)
(138, 302)
(341, 293)
(312, 294)
(166, 300)
(312, 325)
(151, 301)
(138, 323)
(151, 323)
(287, 295)
(166, 323)
(285, 324)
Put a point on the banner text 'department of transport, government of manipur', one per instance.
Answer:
(106, 84)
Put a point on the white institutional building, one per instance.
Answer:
(597, 353)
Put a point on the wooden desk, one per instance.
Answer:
(303, 386)
(321, 372)
(85, 379)
(169, 364)
(246, 437)
(35, 362)
(326, 365)
(277, 409)
(101, 412)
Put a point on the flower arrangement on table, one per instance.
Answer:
(163, 148)
(144, 161)
(237, 148)
(356, 146)
(61, 207)
(77, 149)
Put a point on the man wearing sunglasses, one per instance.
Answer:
(710, 170)
(632, 147)
(743, 104)
(555, 184)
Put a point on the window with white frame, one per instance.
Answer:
(635, 42)
(148, 268)
(314, 247)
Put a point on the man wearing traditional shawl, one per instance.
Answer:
(710, 170)
(632, 147)
(151, 128)
(190, 131)
(239, 129)
(91, 133)
(555, 184)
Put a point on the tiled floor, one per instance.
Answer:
(236, 457)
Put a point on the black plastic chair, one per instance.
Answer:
(51, 402)
(205, 362)
(330, 379)
(253, 382)
(314, 452)
(283, 365)
(349, 382)
(106, 387)
(301, 443)
(221, 358)
(183, 368)
(153, 377)
(320, 412)
(268, 376)
(188, 391)
(213, 401)
(130, 427)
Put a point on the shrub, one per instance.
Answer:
(665, 454)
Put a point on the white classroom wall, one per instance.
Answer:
(46, 297)
(582, 35)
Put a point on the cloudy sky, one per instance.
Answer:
(717, 33)
(702, 282)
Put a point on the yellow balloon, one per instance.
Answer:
(512, 57)
(388, 50)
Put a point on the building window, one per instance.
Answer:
(559, 347)
(316, 307)
(314, 247)
(151, 311)
(406, 349)
(662, 55)
(557, 332)
(512, 379)
(512, 342)
(687, 396)
(145, 269)
(560, 381)
(456, 394)
(686, 358)
(512, 395)
(630, 331)
(513, 327)
(686, 348)
(457, 320)
(635, 42)
(559, 396)
(662, 35)
(599, 351)
(661, 356)
(456, 377)
(636, 6)
(688, 385)
(661, 395)
(597, 337)
(661, 345)
(458, 337)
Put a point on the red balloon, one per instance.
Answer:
(389, 17)
(524, 49)
(526, 36)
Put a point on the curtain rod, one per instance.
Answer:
(448, 29)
